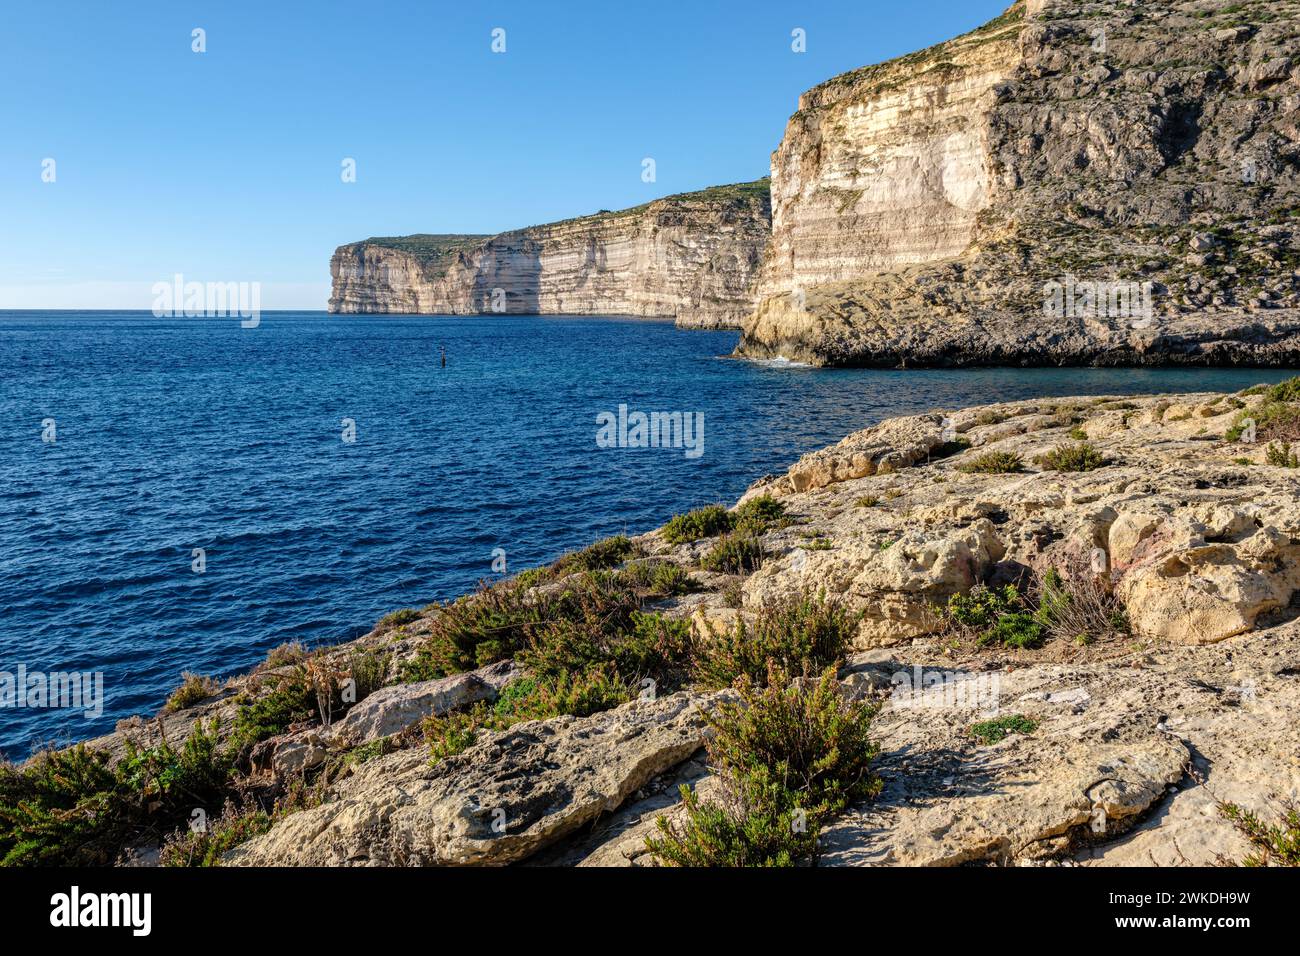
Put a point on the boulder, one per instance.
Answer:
(506, 797)
(391, 710)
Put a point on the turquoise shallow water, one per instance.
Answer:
(176, 434)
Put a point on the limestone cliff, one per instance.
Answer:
(694, 257)
(1096, 182)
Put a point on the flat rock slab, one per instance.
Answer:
(503, 799)
(1007, 801)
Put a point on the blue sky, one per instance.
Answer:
(225, 165)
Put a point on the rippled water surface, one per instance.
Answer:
(176, 434)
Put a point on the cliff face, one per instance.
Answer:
(946, 207)
(694, 257)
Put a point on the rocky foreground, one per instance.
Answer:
(1119, 742)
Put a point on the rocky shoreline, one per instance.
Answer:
(1122, 736)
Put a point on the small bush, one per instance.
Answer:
(406, 615)
(805, 634)
(993, 463)
(1080, 607)
(291, 701)
(704, 522)
(194, 689)
(1274, 845)
(1288, 391)
(993, 616)
(594, 689)
(867, 501)
(479, 629)
(604, 554)
(1080, 456)
(1078, 434)
(1281, 456)
(789, 756)
(670, 579)
(758, 514)
(737, 553)
(205, 847)
(74, 808)
(1274, 421)
(994, 731)
(291, 652)
(369, 671)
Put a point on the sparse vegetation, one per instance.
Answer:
(704, 522)
(1282, 456)
(804, 634)
(993, 616)
(77, 808)
(1080, 456)
(995, 731)
(737, 553)
(993, 463)
(789, 756)
(1274, 844)
(407, 615)
(194, 689)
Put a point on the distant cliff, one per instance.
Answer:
(694, 257)
(1073, 183)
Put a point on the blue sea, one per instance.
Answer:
(171, 435)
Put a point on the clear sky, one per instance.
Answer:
(225, 165)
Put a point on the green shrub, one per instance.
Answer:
(206, 846)
(291, 652)
(670, 579)
(1288, 391)
(789, 756)
(804, 634)
(456, 732)
(758, 514)
(993, 463)
(737, 553)
(994, 616)
(291, 701)
(706, 522)
(406, 615)
(72, 808)
(479, 629)
(994, 731)
(643, 646)
(194, 689)
(1078, 434)
(1274, 845)
(595, 689)
(604, 554)
(1080, 456)
(1274, 421)
(368, 670)
(867, 501)
(1281, 455)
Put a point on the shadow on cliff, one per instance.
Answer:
(509, 277)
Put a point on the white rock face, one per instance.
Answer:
(694, 257)
(921, 207)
